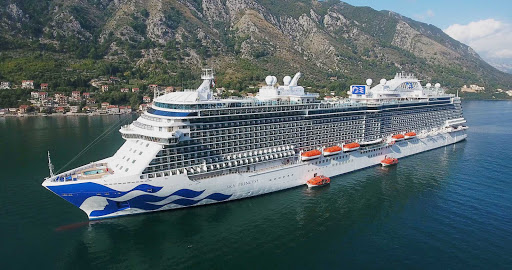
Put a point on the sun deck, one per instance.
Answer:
(88, 172)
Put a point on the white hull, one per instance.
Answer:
(303, 158)
(178, 191)
(326, 154)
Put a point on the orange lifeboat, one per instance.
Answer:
(333, 150)
(410, 135)
(310, 155)
(398, 137)
(351, 146)
(388, 161)
(318, 181)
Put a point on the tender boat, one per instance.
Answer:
(351, 147)
(410, 135)
(309, 155)
(333, 150)
(388, 161)
(318, 181)
(397, 137)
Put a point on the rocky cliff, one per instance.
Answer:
(321, 38)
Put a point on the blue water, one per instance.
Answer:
(449, 208)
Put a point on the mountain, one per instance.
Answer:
(69, 42)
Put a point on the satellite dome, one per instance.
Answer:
(437, 85)
(287, 80)
(274, 80)
(428, 85)
(369, 82)
(383, 81)
(269, 80)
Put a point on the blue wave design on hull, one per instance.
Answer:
(78, 193)
(144, 202)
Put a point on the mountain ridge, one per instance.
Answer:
(244, 40)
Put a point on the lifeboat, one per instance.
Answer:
(333, 150)
(318, 181)
(351, 147)
(310, 155)
(389, 161)
(397, 137)
(410, 135)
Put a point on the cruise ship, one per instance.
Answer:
(191, 148)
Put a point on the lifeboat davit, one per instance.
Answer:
(389, 161)
(398, 137)
(310, 155)
(333, 150)
(351, 147)
(318, 181)
(410, 135)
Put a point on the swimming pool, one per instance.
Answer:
(93, 172)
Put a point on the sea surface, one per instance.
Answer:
(450, 208)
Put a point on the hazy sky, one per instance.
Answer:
(485, 25)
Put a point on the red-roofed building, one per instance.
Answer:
(146, 99)
(125, 109)
(86, 95)
(104, 105)
(153, 87)
(60, 110)
(44, 86)
(75, 94)
(169, 89)
(27, 84)
(113, 109)
(43, 95)
(135, 90)
(23, 108)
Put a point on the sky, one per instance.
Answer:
(485, 25)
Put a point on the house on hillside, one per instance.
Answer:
(125, 109)
(74, 109)
(473, 88)
(125, 90)
(27, 84)
(135, 90)
(44, 87)
(146, 99)
(34, 95)
(23, 108)
(104, 105)
(104, 88)
(5, 85)
(113, 109)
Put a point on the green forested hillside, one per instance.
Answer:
(66, 43)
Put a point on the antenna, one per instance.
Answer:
(50, 165)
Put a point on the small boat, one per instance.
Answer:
(333, 150)
(410, 135)
(318, 181)
(351, 147)
(397, 137)
(309, 155)
(388, 161)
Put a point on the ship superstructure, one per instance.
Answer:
(191, 148)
